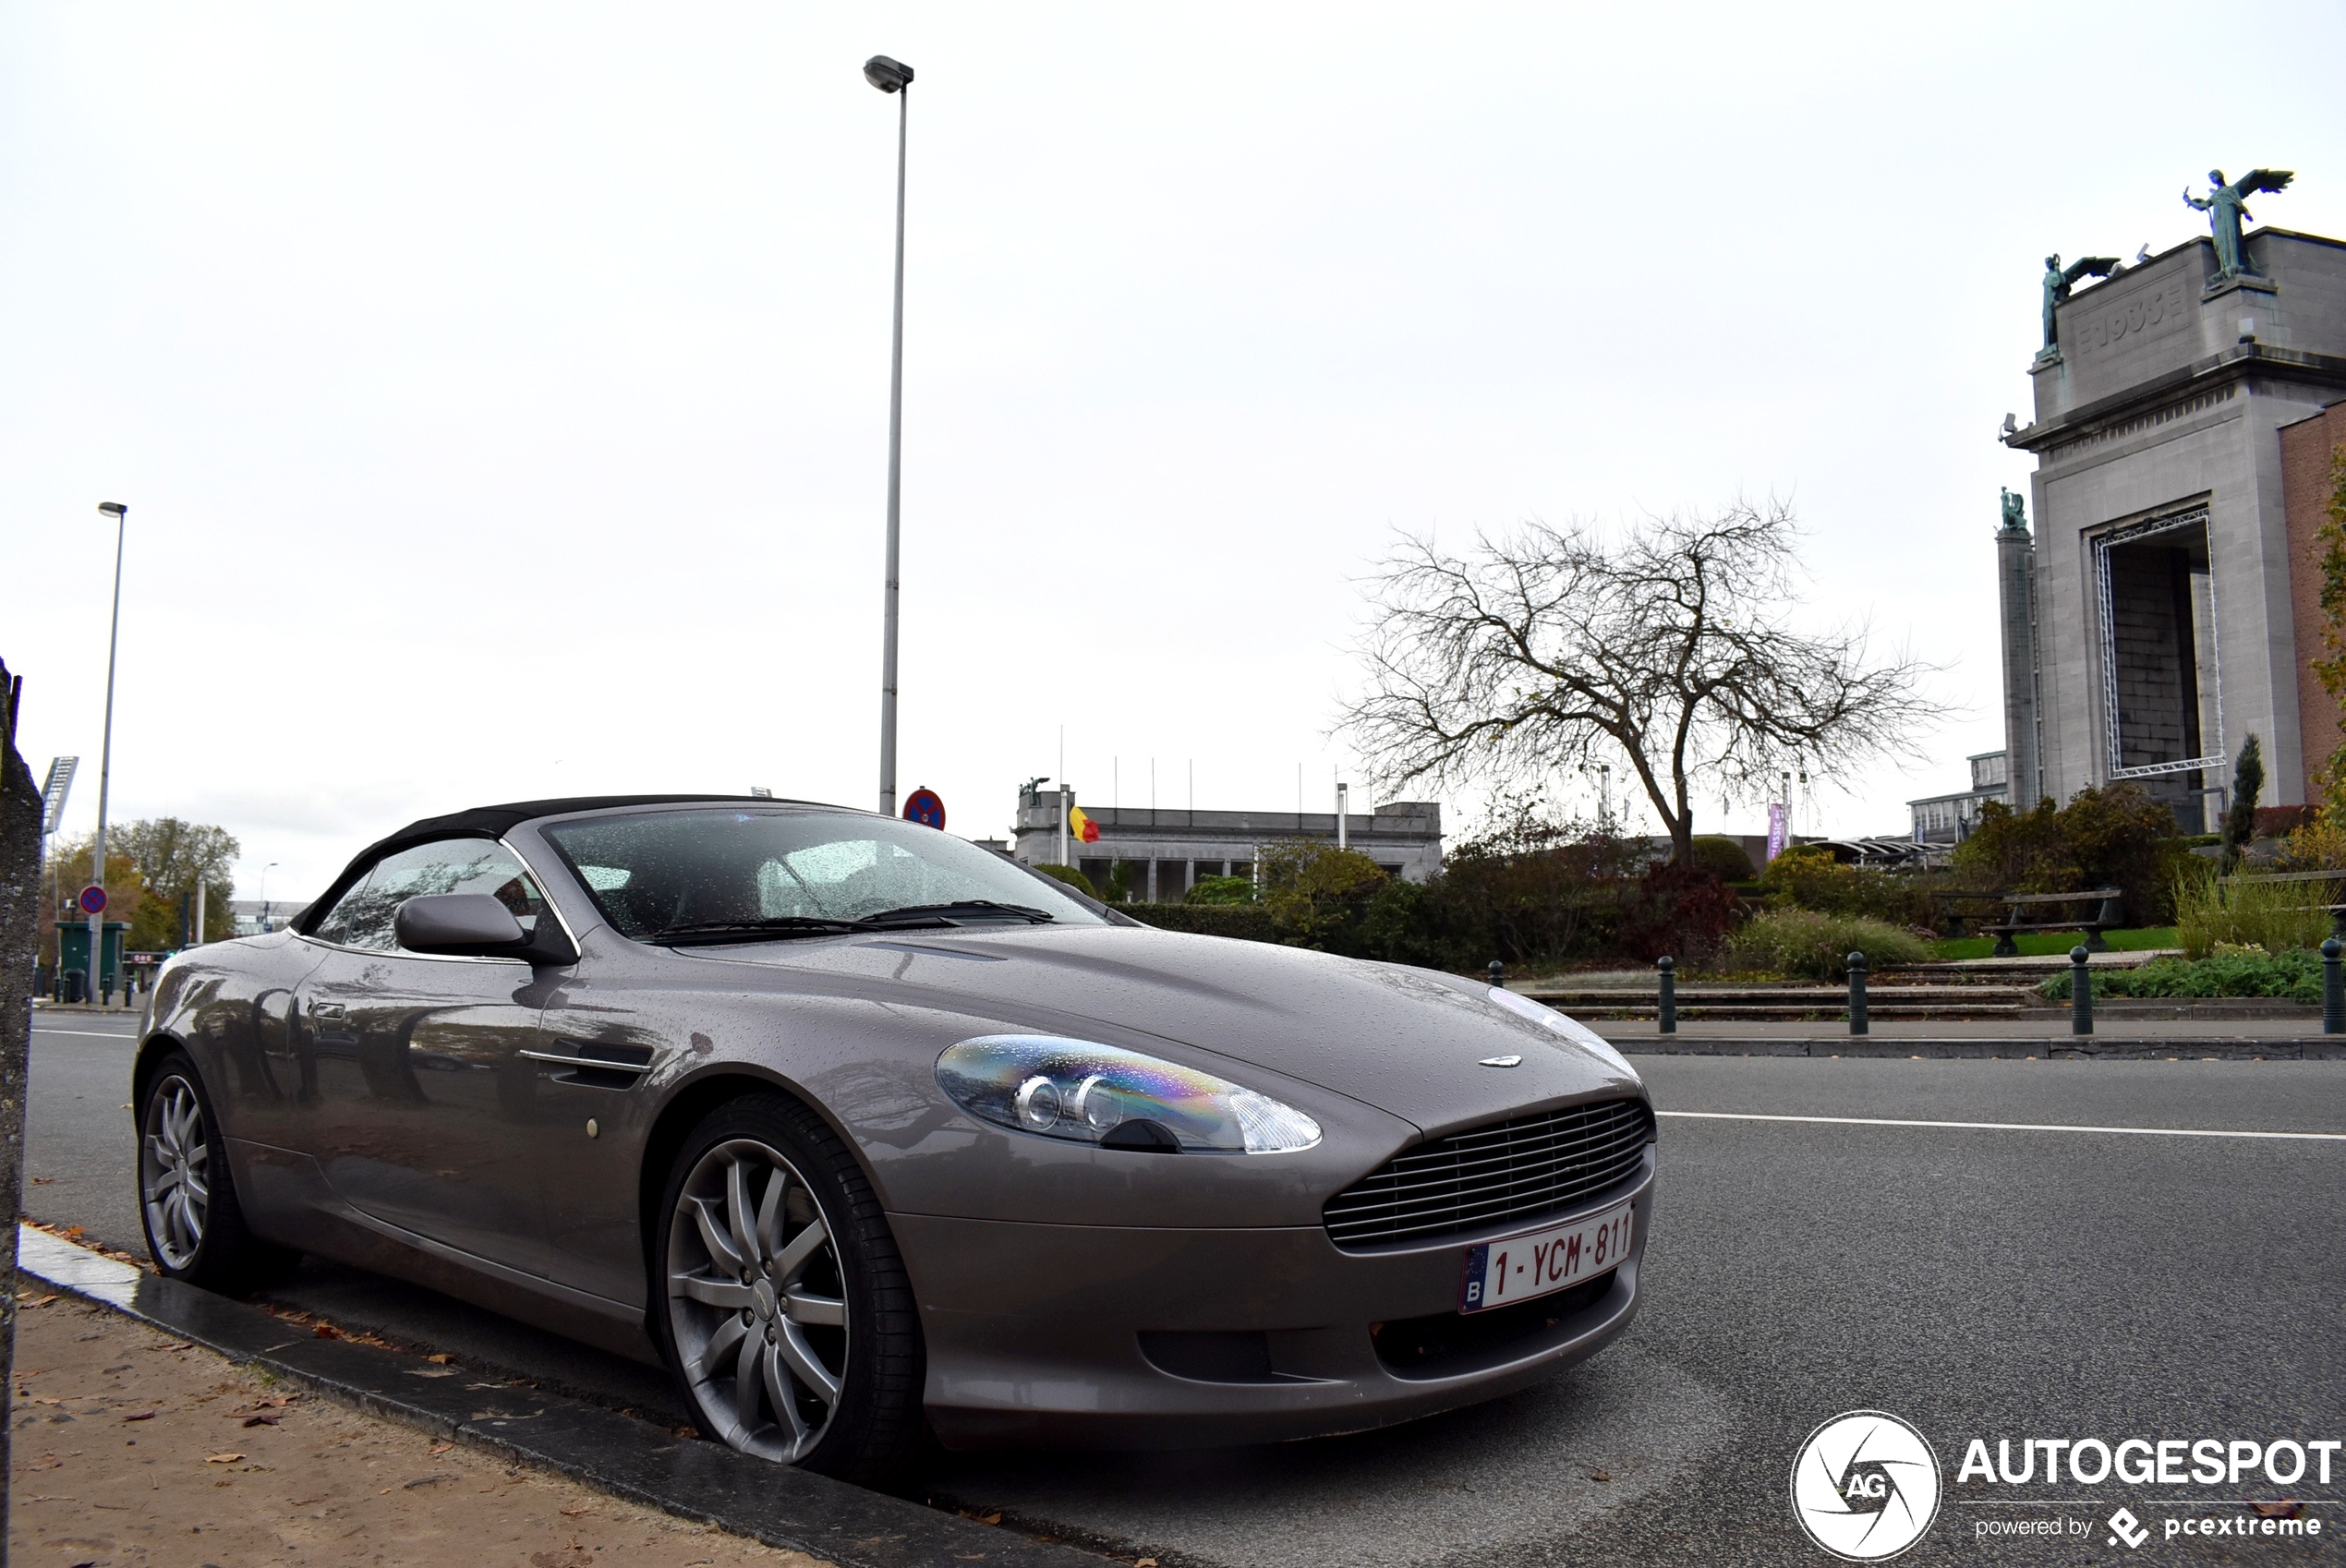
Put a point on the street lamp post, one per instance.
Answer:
(121, 515)
(266, 924)
(891, 76)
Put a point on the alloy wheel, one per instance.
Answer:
(756, 1302)
(174, 1172)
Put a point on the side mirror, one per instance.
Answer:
(466, 924)
(475, 925)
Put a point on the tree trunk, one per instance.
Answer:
(19, 914)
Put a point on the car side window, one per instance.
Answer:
(363, 916)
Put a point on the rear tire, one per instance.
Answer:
(779, 1300)
(187, 1204)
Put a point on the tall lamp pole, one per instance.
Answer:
(891, 76)
(121, 515)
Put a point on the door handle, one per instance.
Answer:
(325, 1009)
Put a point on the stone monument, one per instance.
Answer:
(2149, 618)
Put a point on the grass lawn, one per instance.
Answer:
(2053, 944)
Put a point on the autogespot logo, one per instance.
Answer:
(1865, 1486)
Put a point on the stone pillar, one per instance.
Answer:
(2016, 591)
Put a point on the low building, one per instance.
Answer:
(1167, 851)
(255, 917)
(1949, 819)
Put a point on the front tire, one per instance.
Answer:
(782, 1302)
(188, 1203)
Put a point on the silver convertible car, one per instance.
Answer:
(867, 1132)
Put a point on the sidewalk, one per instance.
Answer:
(132, 1446)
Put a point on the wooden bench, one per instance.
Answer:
(2110, 916)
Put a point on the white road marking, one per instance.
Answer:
(90, 1033)
(2009, 1126)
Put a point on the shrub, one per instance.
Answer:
(1522, 890)
(2280, 822)
(2240, 818)
(2319, 845)
(1318, 894)
(1814, 945)
(1250, 923)
(1680, 910)
(2211, 913)
(1808, 877)
(2117, 836)
(1071, 876)
(1222, 890)
(1723, 857)
(2231, 972)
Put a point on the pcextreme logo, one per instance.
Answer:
(1865, 1486)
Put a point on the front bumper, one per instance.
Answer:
(1063, 1334)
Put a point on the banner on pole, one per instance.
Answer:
(1779, 826)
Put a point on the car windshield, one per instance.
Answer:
(796, 872)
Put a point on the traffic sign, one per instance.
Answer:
(93, 899)
(924, 806)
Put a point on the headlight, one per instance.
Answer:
(1090, 1093)
(1572, 1029)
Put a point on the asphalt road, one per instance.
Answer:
(1977, 1282)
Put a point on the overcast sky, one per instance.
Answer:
(500, 392)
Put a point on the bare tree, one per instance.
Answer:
(1538, 647)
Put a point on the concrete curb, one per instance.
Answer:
(2104, 1047)
(706, 1482)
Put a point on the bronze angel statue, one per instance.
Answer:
(2059, 280)
(2226, 213)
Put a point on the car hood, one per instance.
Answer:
(1413, 1043)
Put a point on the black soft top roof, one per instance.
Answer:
(493, 822)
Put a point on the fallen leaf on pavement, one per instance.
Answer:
(441, 1447)
(2284, 1508)
(440, 1361)
(327, 1331)
(573, 1513)
(267, 1419)
(46, 1462)
(142, 1416)
(44, 1181)
(222, 1458)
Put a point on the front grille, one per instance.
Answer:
(1510, 1170)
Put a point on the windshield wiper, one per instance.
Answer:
(975, 909)
(911, 917)
(752, 930)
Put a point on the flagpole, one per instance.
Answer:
(1066, 800)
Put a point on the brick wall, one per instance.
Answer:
(2306, 456)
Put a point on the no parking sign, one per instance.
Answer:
(93, 899)
(924, 806)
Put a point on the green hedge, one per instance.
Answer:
(1249, 923)
(2295, 974)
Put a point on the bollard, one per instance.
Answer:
(1498, 972)
(1668, 978)
(1857, 1022)
(2081, 992)
(2333, 988)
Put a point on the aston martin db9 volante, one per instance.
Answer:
(865, 1130)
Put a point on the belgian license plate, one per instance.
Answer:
(1500, 1274)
